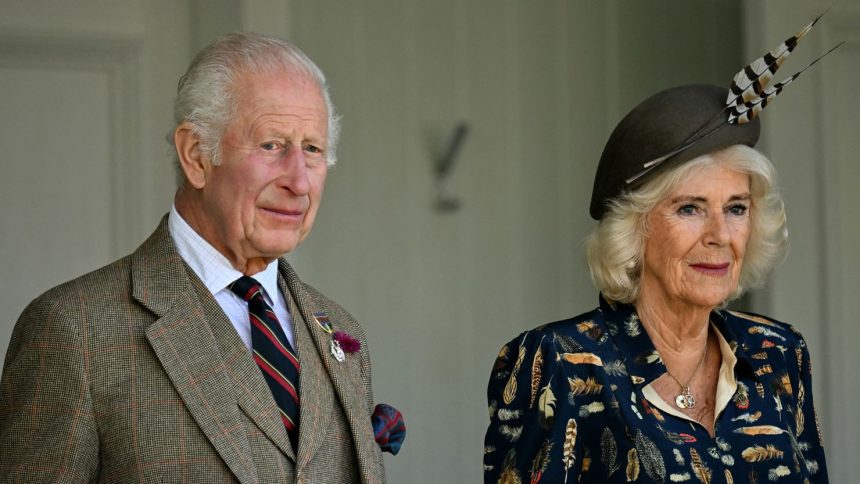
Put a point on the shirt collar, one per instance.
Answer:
(211, 266)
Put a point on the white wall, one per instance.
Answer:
(85, 104)
(541, 85)
(810, 132)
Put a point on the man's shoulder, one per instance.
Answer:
(106, 283)
(334, 310)
(315, 300)
(111, 278)
(319, 298)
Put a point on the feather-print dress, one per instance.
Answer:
(567, 404)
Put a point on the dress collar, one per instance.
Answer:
(640, 356)
(643, 363)
(732, 330)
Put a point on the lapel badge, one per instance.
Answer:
(325, 324)
(322, 321)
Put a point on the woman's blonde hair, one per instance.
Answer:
(615, 248)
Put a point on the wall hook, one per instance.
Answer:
(444, 166)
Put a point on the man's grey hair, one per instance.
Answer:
(206, 93)
(616, 247)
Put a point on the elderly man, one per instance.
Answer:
(202, 357)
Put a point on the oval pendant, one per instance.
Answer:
(680, 401)
(689, 401)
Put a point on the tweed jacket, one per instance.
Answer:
(133, 373)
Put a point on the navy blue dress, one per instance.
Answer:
(566, 405)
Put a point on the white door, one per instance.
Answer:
(85, 93)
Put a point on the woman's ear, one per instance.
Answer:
(194, 163)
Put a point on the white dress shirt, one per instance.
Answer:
(216, 273)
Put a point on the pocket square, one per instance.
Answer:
(389, 429)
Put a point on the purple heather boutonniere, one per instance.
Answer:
(347, 342)
(341, 341)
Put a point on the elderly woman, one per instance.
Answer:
(661, 383)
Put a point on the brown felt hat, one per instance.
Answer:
(660, 125)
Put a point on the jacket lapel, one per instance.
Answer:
(345, 378)
(315, 389)
(186, 347)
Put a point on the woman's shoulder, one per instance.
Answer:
(584, 332)
(762, 330)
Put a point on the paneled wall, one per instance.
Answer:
(811, 134)
(540, 84)
(85, 102)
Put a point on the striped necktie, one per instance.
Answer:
(273, 353)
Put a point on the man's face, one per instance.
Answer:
(261, 200)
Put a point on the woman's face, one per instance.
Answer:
(696, 239)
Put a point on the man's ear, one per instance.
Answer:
(193, 162)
